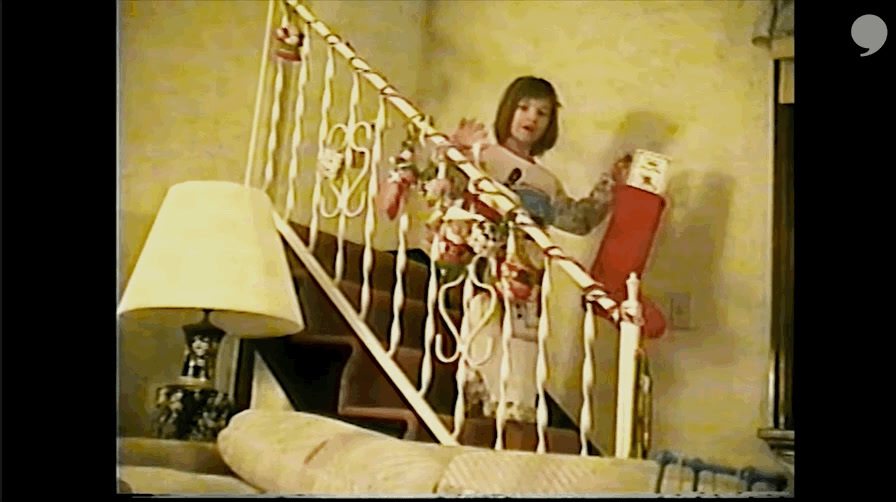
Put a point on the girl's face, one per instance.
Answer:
(530, 120)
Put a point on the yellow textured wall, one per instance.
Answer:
(683, 79)
(677, 77)
(189, 72)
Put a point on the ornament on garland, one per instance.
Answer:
(289, 43)
(329, 162)
(394, 193)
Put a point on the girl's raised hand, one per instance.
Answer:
(468, 133)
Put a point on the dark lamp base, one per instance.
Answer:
(190, 412)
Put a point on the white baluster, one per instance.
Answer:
(259, 92)
(461, 375)
(326, 101)
(443, 311)
(460, 404)
(629, 339)
(484, 318)
(429, 330)
(401, 261)
(345, 192)
(370, 220)
(541, 367)
(275, 118)
(587, 376)
(506, 333)
(297, 132)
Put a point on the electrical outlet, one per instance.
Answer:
(680, 310)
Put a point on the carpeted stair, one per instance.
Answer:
(326, 369)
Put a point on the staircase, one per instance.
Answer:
(327, 370)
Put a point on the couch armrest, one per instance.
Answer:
(191, 456)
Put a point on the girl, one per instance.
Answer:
(525, 127)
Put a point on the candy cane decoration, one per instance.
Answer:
(370, 220)
(297, 131)
(275, 117)
(326, 101)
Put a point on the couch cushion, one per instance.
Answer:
(511, 472)
(360, 463)
(162, 480)
(295, 452)
(515, 472)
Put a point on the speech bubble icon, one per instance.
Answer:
(870, 32)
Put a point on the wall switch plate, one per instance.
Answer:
(680, 310)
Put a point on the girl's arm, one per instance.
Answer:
(580, 216)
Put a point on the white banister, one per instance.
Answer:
(494, 193)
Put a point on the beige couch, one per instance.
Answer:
(285, 452)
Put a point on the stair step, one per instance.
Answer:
(481, 431)
(362, 383)
(326, 317)
(383, 274)
(365, 385)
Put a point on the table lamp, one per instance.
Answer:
(213, 264)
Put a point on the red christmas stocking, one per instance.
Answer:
(625, 248)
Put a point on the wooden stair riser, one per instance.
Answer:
(322, 317)
(328, 371)
(382, 274)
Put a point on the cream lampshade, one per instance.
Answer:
(213, 264)
(214, 245)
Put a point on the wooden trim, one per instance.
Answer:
(782, 48)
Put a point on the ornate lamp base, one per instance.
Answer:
(190, 412)
(193, 409)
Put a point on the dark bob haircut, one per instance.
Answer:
(523, 88)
